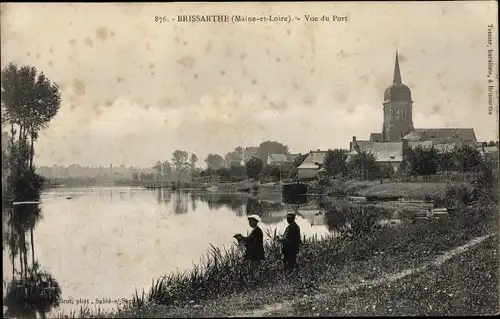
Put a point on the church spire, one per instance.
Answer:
(397, 73)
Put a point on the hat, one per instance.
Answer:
(290, 214)
(256, 217)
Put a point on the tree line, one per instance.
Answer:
(418, 161)
(241, 163)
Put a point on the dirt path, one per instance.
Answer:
(354, 286)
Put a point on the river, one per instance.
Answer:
(101, 243)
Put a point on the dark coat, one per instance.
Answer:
(254, 244)
(291, 239)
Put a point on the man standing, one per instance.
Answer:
(290, 244)
(254, 243)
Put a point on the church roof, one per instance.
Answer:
(442, 135)
(397, 91)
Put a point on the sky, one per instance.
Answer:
(134, 90)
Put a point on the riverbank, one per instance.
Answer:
(325, 263)
(466, 284)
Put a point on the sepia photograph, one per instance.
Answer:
(250, 159)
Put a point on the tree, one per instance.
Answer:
(192, 161)
(237, 171)
(214, 161)
(224, 173)
(446, 161)
(335, 162)
(386, 170)
(363, 165)
(179, 159)
(467, 158)
(271, 147)
(158, 167)
(273, 171)
(253, 167)
(167, 170)
(296, 163)
(30, 101)
(422, 161)
(235, 156)
(492, 143)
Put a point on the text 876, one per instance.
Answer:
(161, 19)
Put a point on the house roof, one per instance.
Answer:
(292, 157)
(442, 134)
(277, 157)
(383, 151)
(313, 159)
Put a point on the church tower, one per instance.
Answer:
(398, 106)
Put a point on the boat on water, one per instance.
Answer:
(152, 186)
(293, 192)
(212, 189)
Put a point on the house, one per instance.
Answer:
(276, 159)
(311, 165)
(391, 153)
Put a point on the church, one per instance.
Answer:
(398, 133)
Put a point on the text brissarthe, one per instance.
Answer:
(204, 18)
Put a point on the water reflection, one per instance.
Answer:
(106, 242)
(30, 290)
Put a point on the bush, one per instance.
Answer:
(353, 220)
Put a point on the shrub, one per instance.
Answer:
(353, 220)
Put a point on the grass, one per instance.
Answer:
(406, 190)
(465, 285)
(221, 285)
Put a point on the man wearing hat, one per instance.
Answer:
(254, 243)
(290, 244)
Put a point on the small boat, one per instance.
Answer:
(244, 190)
(26, 203)
(152, 186)
(212, 189)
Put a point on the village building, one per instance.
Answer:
(311, 165)
(398, 119)
(398, 133)
(391, 153)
